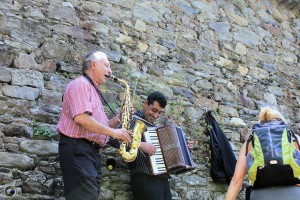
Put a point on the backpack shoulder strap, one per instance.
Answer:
(248, 148)
(293, 138)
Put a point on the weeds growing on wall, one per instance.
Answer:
(41, 131)
(114, 106)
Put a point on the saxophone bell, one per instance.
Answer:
(138, 129)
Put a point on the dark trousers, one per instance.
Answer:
(148, 187)
(276, 193)
(81, 168)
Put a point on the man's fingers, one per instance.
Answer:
(127, 136)
(124, 135)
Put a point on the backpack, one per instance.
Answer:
(273, 159)
(222, 159)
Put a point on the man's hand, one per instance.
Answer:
(190, 144)
(148, 148)
(122, 134)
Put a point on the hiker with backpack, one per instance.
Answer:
(271, 158)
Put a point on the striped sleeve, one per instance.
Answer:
(79, 99)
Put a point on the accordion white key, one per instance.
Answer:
(172, 154)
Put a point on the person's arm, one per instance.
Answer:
(88, 122)
(238, 177)
(147, 148)
(115, 121)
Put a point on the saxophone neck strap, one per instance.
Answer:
(98, 91)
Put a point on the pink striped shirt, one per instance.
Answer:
(81, 97)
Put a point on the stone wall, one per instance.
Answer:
(291, 4)
(231, 57)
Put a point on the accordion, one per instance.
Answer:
(172, 154)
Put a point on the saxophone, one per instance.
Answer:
(138, 129)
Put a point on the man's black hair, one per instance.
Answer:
(159, 97)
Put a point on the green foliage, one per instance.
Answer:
(239, 2)
(174, 112)
(218, 115)
(137, 101)
(114, 106)
(179, 112)
(191, 119)
(41, 131)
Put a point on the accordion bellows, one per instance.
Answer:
(172, 154)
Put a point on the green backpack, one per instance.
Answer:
(273, 159)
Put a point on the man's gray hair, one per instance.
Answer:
(92, 56)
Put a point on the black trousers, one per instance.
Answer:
(276, 193)
(148, 187)
(81, 168)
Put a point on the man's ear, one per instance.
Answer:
(145, 103)
(93, 64)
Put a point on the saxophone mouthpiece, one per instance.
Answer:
(112, 77)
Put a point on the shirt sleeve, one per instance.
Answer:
(79, 99)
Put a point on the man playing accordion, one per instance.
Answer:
(144, 184)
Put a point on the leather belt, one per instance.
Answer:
(93, 144)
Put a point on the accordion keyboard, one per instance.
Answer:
(157, 161)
